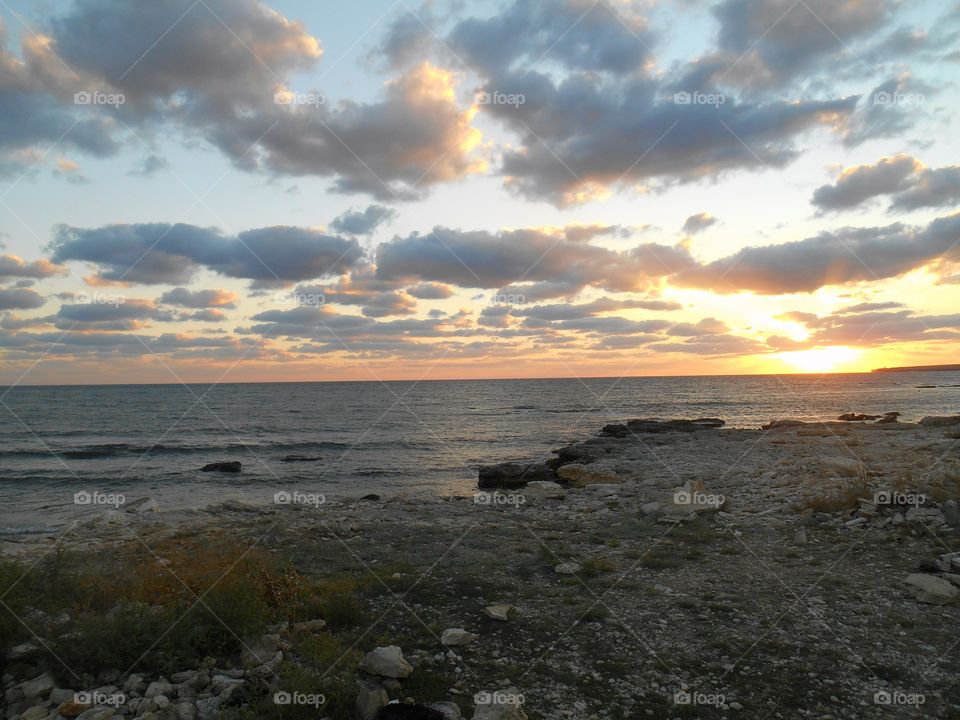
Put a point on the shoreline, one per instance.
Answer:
(661, 565)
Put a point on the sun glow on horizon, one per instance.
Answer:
(822, 359)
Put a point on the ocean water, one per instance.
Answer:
(353, 438)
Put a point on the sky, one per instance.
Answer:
(236, 190)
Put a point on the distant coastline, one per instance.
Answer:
(919, 368)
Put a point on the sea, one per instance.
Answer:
(70, 451)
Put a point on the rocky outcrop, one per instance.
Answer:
(509, 476)
(940, 421)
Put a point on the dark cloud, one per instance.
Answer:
(210, 315)
(431, 291)
(20, 299)
(858, 184)
(698, 223)
(149, 166)
(830, 258)
(162, 253)
(363, 223)
(12, 266)
(933, 188)
(199, 298)
(509, 257)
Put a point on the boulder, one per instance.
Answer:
(579, 475)
(448, 710)
(925, 516)
(452, 637)
(500, 611)
(940, 421)
(160, 687)
(567, 568)
(544, 490)
(615, 430)
(932, 589)
(387, 662)
(40, 686)
(207, 708)
(512, 475)
(231, 466)
(370, 699)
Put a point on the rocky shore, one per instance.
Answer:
(662, 569)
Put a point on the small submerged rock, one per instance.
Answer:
(231, 466)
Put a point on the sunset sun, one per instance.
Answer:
(825, 359)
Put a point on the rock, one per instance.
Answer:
(579, 475)
(949, 562)
(544, 490)
(97, 713)
(500, 612)
(372, 497)
(370, 699)
(231, 466)
(61, 695)
(22, 651)
(932, 589)
(187, 676)
(208, 708)
(387, 662)
(71, 709)
(567, 568)
(142, 506)
(457, 636)
(160, 687)
(661, 426)
(783, 424)
(856, 521)
(447, 710)
(300, 458)
(857, 417)
(889, 418)
(40, 686)
(310, 626)
(224, 684)
(37, 712)
(925, 516)
(135, 683)
(512, 475)
(409, 711)
(186, 711)
(843, 466)
(940, 421)
(259, 650)
(615, 430)
(800, 537)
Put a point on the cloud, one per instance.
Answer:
(532, 256)
(698, 223)
(363, 223)
(209, 315)
(20, 299)
(846, 255)
(376, 297)
(873, 328)
(856, 185)
(911, 185)
(12, 266)
(431, 291)
(159, 253)
(113, 313)
(148, 166)
(199, 298)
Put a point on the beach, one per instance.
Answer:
(669, 570)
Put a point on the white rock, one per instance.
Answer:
(387, 662)
(37, 712)
(40, 685)
(457, 636)
(160, 687)
(499, 611)
(449, 710)
(500, 705)
(932, 589)
(208, 708)
(544, 490)
(567, 568)
(370, 699)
